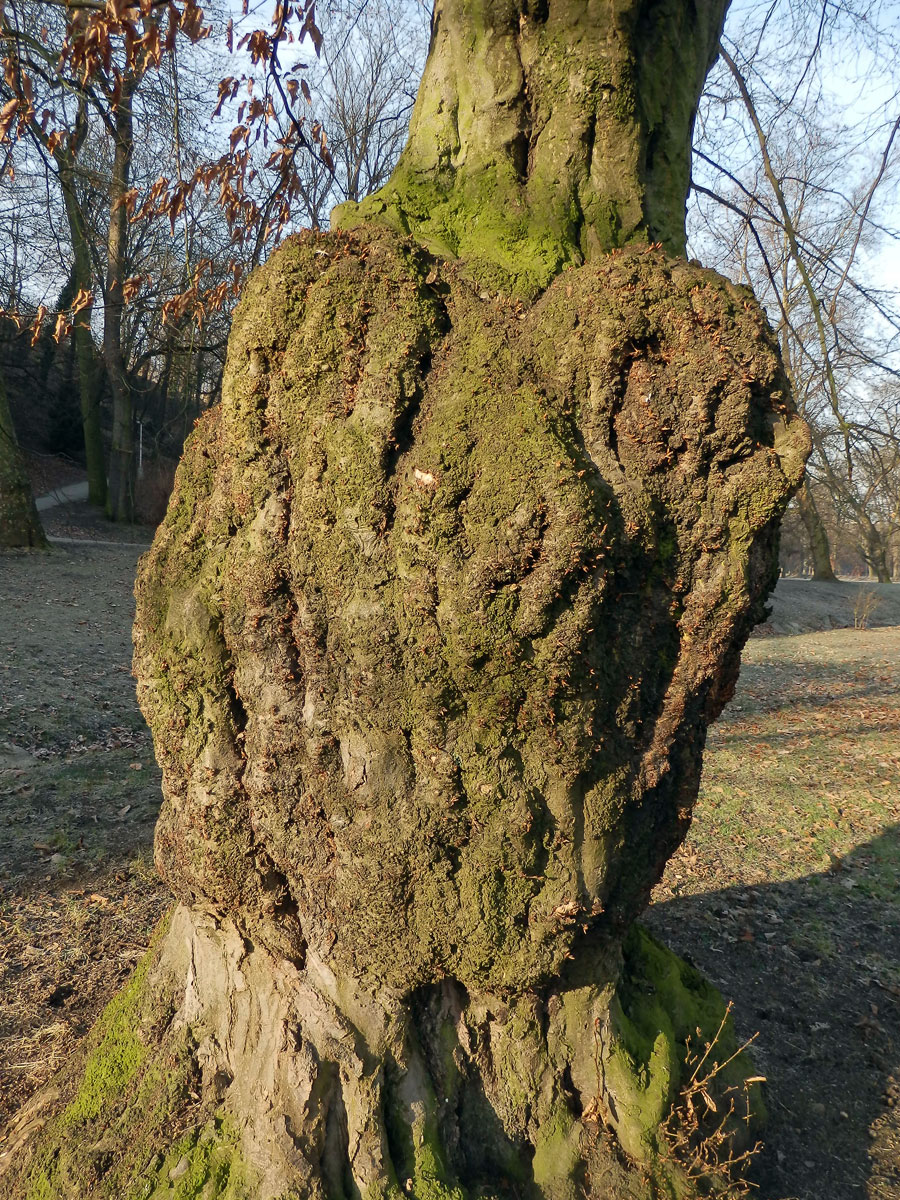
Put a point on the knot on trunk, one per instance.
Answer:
(448, 592)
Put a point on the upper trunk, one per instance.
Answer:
(546, 133)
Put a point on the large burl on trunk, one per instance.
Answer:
(451, 585)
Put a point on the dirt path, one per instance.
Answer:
(785, 893)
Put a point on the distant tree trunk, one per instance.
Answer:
(120, 502)
(875, 551)
(89, 375)
(19, 521)
(452, 583)
(820, 550)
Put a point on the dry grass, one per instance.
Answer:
(703, 1135)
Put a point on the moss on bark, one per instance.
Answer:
(451, 585)
(448, 593)
(443, 1096)
(546, 134)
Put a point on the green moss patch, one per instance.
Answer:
(205, 1164)
(673, 1059)
(118, 1052)
(132, 1091)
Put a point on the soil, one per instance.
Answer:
(784, 894)
(802, 606)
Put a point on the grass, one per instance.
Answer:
(802, 773)
(785, 895)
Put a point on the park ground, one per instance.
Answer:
(785, 893)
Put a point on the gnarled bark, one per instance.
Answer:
(453, 588)
(451, 585)
(448, 593)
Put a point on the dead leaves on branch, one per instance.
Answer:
(106, 50)
(64, 320)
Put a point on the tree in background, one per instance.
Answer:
(868, 498)
(798, 197)
(19, 523)
(365, 85)
(90, 134)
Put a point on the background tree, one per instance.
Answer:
(209, 216)
(797, 196)
(19, 523)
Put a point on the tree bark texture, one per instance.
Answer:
(20, 525)
(466, 525)
(547, 133)
(451, 585)
(448, 593)
(823, 572)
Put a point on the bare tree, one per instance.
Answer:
(796, 198)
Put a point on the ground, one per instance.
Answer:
(79, 792)
(784, 894)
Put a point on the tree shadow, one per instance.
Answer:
(813, 966)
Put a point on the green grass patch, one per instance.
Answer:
(802, 772)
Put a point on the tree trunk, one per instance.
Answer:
(823, 572)
(89, 377)
(875, 551)
(19, 522)
(545, 135)
(451, 585)
(120, 502)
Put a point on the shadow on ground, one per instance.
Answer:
(813, 966)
